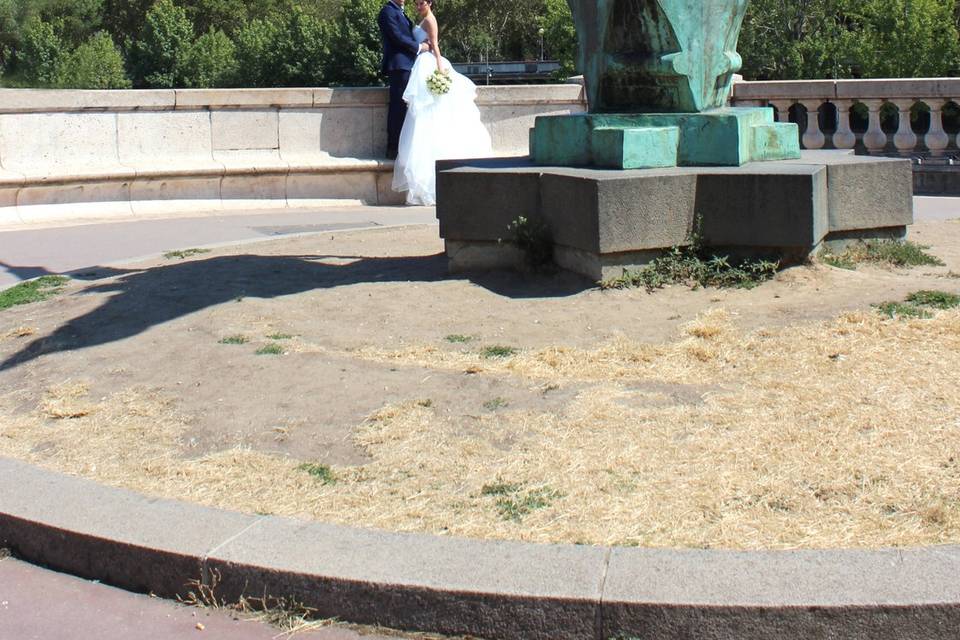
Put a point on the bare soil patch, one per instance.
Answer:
(791, 415)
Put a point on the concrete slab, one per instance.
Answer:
(491, 589)
(117, 536)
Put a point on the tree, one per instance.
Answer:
(559, 35)
(255, 54)
(95, 64)
(356, 50)
(158, 56)
(39, 52)
(211, 61)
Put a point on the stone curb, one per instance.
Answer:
(502, 590)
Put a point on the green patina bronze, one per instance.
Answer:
(665, 65)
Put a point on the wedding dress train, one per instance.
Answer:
(436, 128)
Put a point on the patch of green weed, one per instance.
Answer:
(32, 291)
(321, 472)
(496, 403)
(456, 338)
(902, 310)
(534, 239)
(936, 299)
(281, 336)
(689, 266)
(497, 351)
(516, 506)
(896, 253)
(270, 350)
(500, 488)
(183, 254)
(237, 339)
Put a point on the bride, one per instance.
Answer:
(437, 127)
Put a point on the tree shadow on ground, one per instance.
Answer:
(149, 297)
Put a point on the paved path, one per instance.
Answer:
(36, 604)
(28, 253)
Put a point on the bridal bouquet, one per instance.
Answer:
(439, 83)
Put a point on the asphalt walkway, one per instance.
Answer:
(30, 252)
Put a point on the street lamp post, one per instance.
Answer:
(541, 32)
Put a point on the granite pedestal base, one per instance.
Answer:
(604, 221)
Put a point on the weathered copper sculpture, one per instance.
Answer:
(658, 75)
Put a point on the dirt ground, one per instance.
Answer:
(125, 378)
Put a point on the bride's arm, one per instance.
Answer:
(431, 26)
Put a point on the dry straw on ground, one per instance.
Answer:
(839, 434)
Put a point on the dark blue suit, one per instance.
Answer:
(400, 51)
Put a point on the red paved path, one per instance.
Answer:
(36, 604)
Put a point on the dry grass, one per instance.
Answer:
(20, 332)
(290, 617)
(839, 434)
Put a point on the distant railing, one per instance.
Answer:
(517, 72)
(913, 117)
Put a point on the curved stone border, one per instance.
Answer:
(501, 590)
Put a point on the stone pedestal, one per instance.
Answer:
(731, 136)
(603, 221)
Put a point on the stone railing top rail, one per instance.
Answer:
(45, 100)
(882, 88)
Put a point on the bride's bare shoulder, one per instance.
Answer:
(430, 24)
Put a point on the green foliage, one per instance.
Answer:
(255, 53)
(95, 64)
(901, 310)
(457, 338)
(272, 349)
(237, 339)
(158, 57)
(321, 472)
(32, 291)
(40, 52)
(559, 36)
(497, 351)
(495, 403)
(935, 299)
(919, 305)
(211, 61)
(895, 253)
(849, 38)
(692, 267)
(183, 254)
(513, 504)
(356, 50)
(534, 239)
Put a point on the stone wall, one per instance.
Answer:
(69, 154)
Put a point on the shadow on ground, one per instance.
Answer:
(149, 297)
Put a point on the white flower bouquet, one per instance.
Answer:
(439, 83)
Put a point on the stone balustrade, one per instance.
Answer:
(914, 110)
(95, 154)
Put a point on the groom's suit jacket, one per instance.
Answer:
(400, 48)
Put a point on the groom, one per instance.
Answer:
(400, 50)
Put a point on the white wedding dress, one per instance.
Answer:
(436, 128)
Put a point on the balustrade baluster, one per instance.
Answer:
(783, 109)
(874, 139)
(936, 139)
(813, 137)
(844, 137)
(905, 140)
